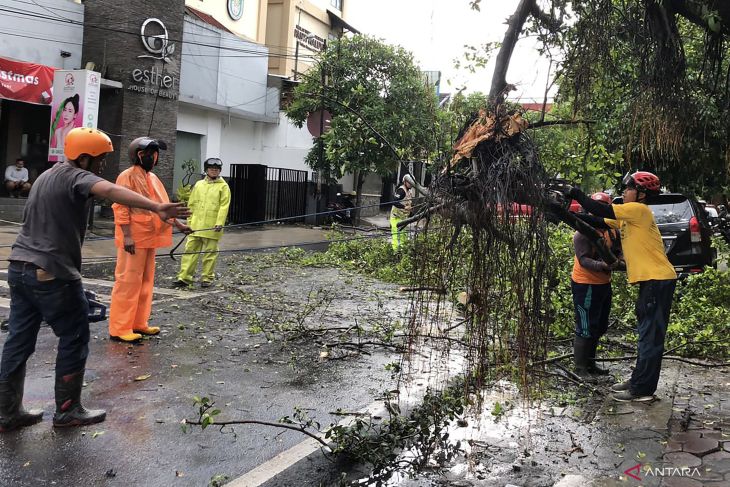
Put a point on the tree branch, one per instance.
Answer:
(546, 19)
(551, 360)
(547, 123)
(683, 8)
(264, 423)
(709, 365)
(514, 27)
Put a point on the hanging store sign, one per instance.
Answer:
(157, 79)
(156, 40)
(312, 41)
(76, 104)
(235, 9)
(28, 82)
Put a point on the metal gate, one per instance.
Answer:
(248, 193)
(286, 193)
(261, 193)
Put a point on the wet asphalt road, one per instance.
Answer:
(200, 352)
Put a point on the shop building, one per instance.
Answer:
(30, 46)
(206, 77)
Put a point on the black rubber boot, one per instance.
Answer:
(581, 353)
(593, 368)
(12, 414)
(69, 411)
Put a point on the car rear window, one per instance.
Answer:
(679, 212)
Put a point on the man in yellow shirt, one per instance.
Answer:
(646, 265)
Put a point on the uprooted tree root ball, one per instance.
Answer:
(485, 236)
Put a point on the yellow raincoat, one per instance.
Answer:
(209, 203)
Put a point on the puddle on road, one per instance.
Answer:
(509, 441)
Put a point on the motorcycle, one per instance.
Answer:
(721, 223)
(340, 210)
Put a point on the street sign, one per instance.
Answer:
(314, 124)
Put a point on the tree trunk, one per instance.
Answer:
(359, 181)
(514, 27)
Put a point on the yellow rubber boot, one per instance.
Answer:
(128, 338)
(150, 330)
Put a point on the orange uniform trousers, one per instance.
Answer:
(134, 279)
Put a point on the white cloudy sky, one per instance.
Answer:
(435, 31)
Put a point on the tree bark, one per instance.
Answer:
(359, 180)
(514, 27)
(692, 13)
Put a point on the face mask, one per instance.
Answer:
(147, 160)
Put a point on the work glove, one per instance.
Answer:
(564, 188)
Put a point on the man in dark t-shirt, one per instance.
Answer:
(44, 276)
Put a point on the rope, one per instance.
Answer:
(100, 259)
(242, 225)
(11, 222)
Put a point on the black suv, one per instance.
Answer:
(685, 230)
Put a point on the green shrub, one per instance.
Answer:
(183, 193)
(700, 320)
(700, 311)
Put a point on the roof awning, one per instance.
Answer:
(338, 21)
(27, 82)
(208, 19)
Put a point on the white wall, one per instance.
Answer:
(246, 26)
(227, 79)
(207, 124)
(286, 146)
(238, 141)
(29, 35)
(225, 97)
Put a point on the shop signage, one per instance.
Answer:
(316, 125)
(312, 41)
(156, 41)
(155, 80)
(28, 82)
(235, 9)
(75, 104)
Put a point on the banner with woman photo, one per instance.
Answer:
(75, 104)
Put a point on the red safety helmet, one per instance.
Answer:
(643, 181)
(602, 197)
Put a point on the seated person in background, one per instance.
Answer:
(16, 179)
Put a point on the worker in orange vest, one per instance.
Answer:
(590, 284)
(137, 236)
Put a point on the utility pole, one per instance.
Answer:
(296, 58)
(321, 110)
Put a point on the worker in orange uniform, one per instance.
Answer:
(590, 283)
(137, 236)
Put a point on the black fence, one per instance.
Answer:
(260, 193)
(286, 193)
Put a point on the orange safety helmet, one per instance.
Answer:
(89, 141)
(602, 197)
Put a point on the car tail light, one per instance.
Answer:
(694, 230)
